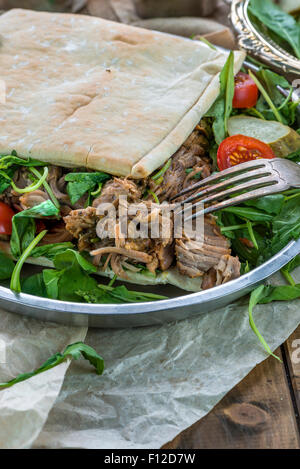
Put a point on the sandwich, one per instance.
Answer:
(95, 111)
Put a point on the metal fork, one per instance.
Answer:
(259, 178)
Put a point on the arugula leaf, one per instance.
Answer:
(249, 213)
(286, 270)
(256, 297)
(120, 294)
(222, 107)
(281, 23)
(295, 156)
(51, 250)
(286, 225)
(272, 105)
(7, 161)
(34, 285)
(73, 351)
(5, 178)
(23, 225)
(81, 183)
(15, 283)
(6, 266)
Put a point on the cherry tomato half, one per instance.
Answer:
(6, 214)
(239, 149)
(245, 91)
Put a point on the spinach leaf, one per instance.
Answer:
(73, 351)
(271, 204)
(34, 285)
(23, 225)
(70, 275)
(81, 183)
(6, 266)
(50, 280)
(281, 23)
(222, 107)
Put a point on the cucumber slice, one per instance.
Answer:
(282, 139)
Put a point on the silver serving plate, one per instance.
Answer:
(258, 44)
(180, 305)
(146, 314)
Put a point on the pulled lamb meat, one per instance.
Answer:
(116, 187)
(190, 156)
(209, 257)
(31, 199)
(120, 250)
(81, 224)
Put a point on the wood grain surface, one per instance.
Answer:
(260, 412)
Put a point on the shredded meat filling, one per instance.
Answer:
(208, 258)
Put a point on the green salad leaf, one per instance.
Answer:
(51, 250)
(266, 294)
(73, 351)
(108, 294)
(286, 225)
(279, 22)
(222, 107)
(23, 225)
(6, 266)
(7, 161)
(81, 183)
(34, 285)
(71, 273)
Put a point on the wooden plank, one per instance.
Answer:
(292, 350)
(257, 413)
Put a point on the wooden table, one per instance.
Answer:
(262, 411)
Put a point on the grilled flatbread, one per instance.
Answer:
(83, 91)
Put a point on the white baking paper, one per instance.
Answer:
(25, 344)
(160, 380)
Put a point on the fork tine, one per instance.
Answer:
(263, 182)
(248, 166)
(260, 173)
(265, 190)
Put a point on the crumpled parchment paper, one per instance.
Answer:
(24, 345)
(158, 380)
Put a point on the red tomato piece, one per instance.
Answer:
(245, 92)
(6, 214)
(239, 149)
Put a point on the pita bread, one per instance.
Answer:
(83, 91)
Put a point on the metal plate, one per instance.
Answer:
(146, 314)
(180, 305)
